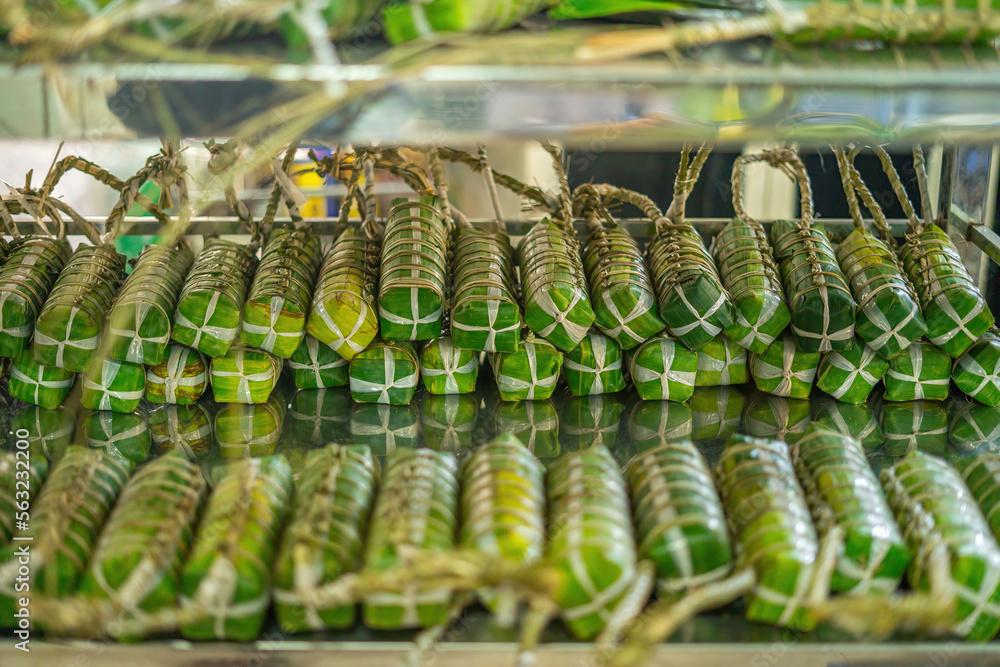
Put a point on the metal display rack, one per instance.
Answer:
(732, 94)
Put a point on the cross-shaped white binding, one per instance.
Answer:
(837, 360)
(135, 349)
(39, 382)
(510, 384)
(177, 361)
(599, 346)
(314, 365)
(789, 604)
(961, 323)
(916, 355)
(968, 364)
(768, 310)
(389, 380)
(269, 332)
(866, 575)
(645, 304)
(699, 319)
(668, 352)
(826, 338)
(450, 358)
(893, 333)
(710, 364)
(22, 331)
(492, 312)
(575, 332)
(341, 339)
(766, 371)
(61, 345)
(243, 394)
(224, 334)
(414, 321)
(109, 371)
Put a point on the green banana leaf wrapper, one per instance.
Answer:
(325, 536)
(386, 372)
(850, 375)
(316, 365)
(621, 288)
(953, 307)
(652, 424)
(149, 530)
(503, 507)
(591, 540)
(678, 516)
(448, 422)
(346, 20)
(770, 416)
(125, 437)
(244, 375)
(66, 518)
(405, 21)
(182, 428)
(589, 420)
(819, 297)
(419, 487)
(140, 320)
(981, 475)
(977, 371)
(44, 386)
(446, 369)
(38, 470)
(243, 430)
(856, 421)
(914, 426)
(274, 316)
(888, 316)
(691, 299)
(663, 369)
(180, 379)
(843, 493)
(413, 287)
(534, 423)
(972, 428)
(109, 384)
(554, 284)
(385, 428)
(772, 529)
(485, 314)
(50, 431)
(930, 499)
(716, 414)
(210, 305)
(26, 278)
(750, 275)
(68, 329)
(229, 562)
(344, 314)
(594, 367)
(921, 372)
(722, 362)
(784, 369)
(319, 416)
(531, 373)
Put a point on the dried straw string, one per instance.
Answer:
(532, 194)
(491, 187)
(916, 225)
(223, 157)
(267, 223)
(155, 167)
(920, 167)
(564, 212)
(451, 214)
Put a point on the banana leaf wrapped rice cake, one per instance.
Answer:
(447, 369)
(534, 423)
(663, 369)
(45, 386)
(784, 369)
(385, 428)
(922, 371)
(180, 379)
(139, 323)
(274, 316)
(485, 314)
(316, 365)
(416, 512)
(977, 371)
(125, 437)
(227, 574)
(183, 428)
(210, 305)
(594, 366)
(722, 362)
(589, 420)
(249, 430)
(448, 422)
(530, 374)
(851, 375)
(344, 314)
(68, 329)
(386, 372)
(413, 283)
(325, 536)
(404, 22)
(244, 376)
(109, 384)
(26, 278)
(554, 283)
